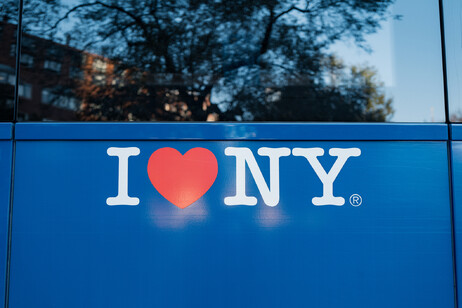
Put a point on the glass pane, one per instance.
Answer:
(263, 60)
(8, 29)
(453, 36)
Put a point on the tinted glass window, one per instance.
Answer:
(8, 29)
(263, 60)
(453, 35)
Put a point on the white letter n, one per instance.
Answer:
(122, 197)
(244, 155)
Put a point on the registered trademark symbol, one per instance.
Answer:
(356, 200)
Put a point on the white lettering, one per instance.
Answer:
(244, 155)
(122, 197)
(327, 179)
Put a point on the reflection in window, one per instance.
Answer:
(52, 66)
(8, 77)
(59, 100)
(54, 51)
(453, 36)
(25, 91)
(28, 42)
(99, 79)
(4, 77)
(75, 72)
(259, 61)
(27, 60)
(47, 96)
(99, 65)
(8, 19)
(13, 50)
(11, 79)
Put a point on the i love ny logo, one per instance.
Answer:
(183, 179)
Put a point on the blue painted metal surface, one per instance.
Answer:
(5, 182)
(71, 249)
(457, 191)
(456, 132)
(229, 131)
(6, 130)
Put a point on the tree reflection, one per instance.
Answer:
(213, 60)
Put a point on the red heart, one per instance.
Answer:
(182, 179)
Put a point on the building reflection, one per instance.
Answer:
(62, 83)
(177, 64)
(50, 78)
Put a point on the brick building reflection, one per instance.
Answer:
(52, 76)
(61, 83)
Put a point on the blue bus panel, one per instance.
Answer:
(5, 182)
(231, 131)
(457, 187)
(231, 224)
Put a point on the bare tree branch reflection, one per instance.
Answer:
(190, 60)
